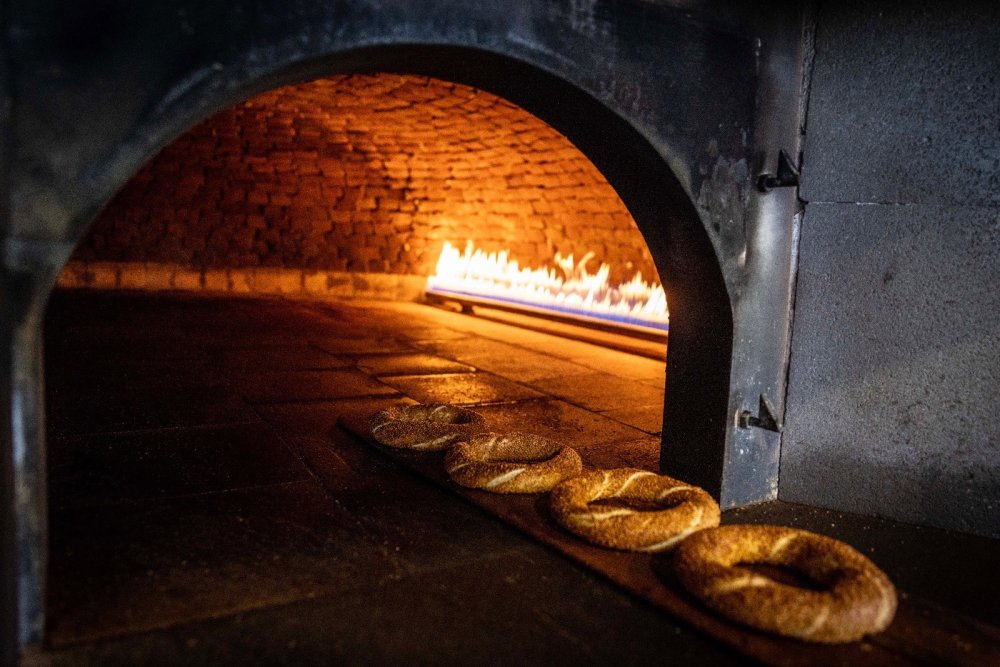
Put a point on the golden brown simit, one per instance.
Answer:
(511, 463)
(857, 598)
(425, 427)
(663, 510)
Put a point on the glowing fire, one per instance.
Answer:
(572, 290)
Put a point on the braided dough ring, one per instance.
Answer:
(511, 463)
(857, 599)
(681, 509)
(425, 427)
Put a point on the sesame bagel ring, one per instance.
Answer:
(425, 427)
(856, 598)
(663, 510)
(511, 463)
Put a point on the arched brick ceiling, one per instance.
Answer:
(366, 173)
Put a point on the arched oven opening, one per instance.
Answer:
(267, 273)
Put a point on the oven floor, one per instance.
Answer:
(204, 508)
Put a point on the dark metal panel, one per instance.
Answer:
(766, 266)
(893, 402)
(8, 531)
(904, 103)
(29, 273)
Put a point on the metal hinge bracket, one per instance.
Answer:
(765, 418)
(788, 175)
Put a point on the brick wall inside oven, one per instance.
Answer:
(307, 187)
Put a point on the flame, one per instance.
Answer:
(572, 290)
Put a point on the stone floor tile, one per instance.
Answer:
(133, 409)
(567, 349)
(155, 564)
(523, 360)
(431, 333)
(648, 418)
(423, 523)
(521, 365)
(109, 469)
(370, 345)
(642, 452)
(480, 327)
(215, 340)
(285, 386)
(599, 391)
(310, 430)
(319, 418)
(303, 357)
(418, 314)
(113, 368)
(624, 365)
(527, 338)
(469, 346)
(510, 361)
(460, 388)
(517, 608)
(560, 421)
(72, 351)
(409, 364)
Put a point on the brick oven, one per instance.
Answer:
(298, 190)
(219, 219)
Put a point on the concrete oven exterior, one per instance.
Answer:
(681, 105)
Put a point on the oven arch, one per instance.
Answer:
(700, 347)
(664, 82)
